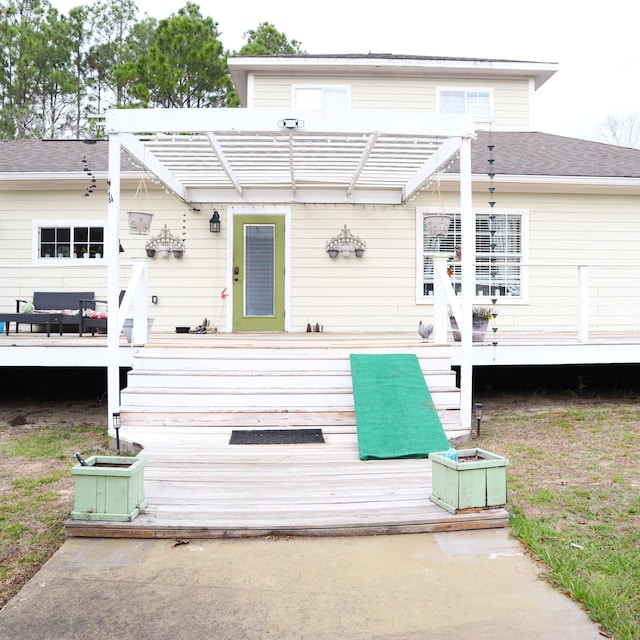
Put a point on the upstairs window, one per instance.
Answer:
(475, 103)
(498, 258)
(68, 241)
(322, 97)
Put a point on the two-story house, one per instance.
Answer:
(310, 206)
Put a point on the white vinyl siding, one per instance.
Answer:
(511, 98)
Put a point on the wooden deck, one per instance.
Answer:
(200, 486)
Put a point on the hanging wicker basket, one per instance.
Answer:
(139, 222)
(437, 225)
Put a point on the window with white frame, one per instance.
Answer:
(499, 252)
(63, 240)
(477, 103)
(321, 97)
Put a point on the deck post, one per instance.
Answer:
(112, 252)
(468, 241)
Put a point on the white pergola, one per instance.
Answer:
(264, 156)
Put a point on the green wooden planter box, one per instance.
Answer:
(109, 488)
(479, 483)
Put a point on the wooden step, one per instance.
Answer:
(274, 384)
(152, 416)
(181, 359)
(267, 398)
(231, 379)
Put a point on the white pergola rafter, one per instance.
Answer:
(217, 149)
(245, 155)
(363, 161)
(292, 169)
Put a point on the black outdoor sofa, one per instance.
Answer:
(61, 308)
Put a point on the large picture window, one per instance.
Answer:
(498, 258)
(68, 241)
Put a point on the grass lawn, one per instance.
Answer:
(574, 496)
(36, 486)
(574, 493)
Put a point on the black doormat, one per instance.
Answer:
(277, 436)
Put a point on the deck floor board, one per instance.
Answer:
(199, 486)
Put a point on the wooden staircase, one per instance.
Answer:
(277, 384)
(184, 399)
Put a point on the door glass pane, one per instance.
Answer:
(259, 251)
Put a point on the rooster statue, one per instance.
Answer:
(424, 330)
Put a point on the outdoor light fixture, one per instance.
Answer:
(164, 243)
(214, 223)
(116, 426)
(479, 410)
(290, 123)
(345, 243)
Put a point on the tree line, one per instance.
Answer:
(58, 72)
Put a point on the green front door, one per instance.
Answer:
(258, 273)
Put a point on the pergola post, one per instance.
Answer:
(112, 252)
(468, 233)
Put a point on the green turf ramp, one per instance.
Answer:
(395, 415)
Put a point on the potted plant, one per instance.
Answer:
(109, 488)
(468, 479)
(480, 320)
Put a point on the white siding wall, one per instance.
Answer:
(375, 292)
(511, 97)
(188, 289)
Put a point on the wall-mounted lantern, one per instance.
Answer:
(214, 223)
(345, 243)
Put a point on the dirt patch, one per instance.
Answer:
(40, 413)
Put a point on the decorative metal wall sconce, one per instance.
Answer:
(214, 223)
(345, 243)
(164, 243)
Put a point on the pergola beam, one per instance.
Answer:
(354, 121)
(144, 157)
(441, 156)
(222, 159)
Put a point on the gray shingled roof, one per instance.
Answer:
(515, 153)
(542, 154)
(389, 56)
(63, 156)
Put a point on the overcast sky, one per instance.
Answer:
(595, 43)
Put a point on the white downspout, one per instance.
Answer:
(583, 303)
(468, 232)
(112, 253)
